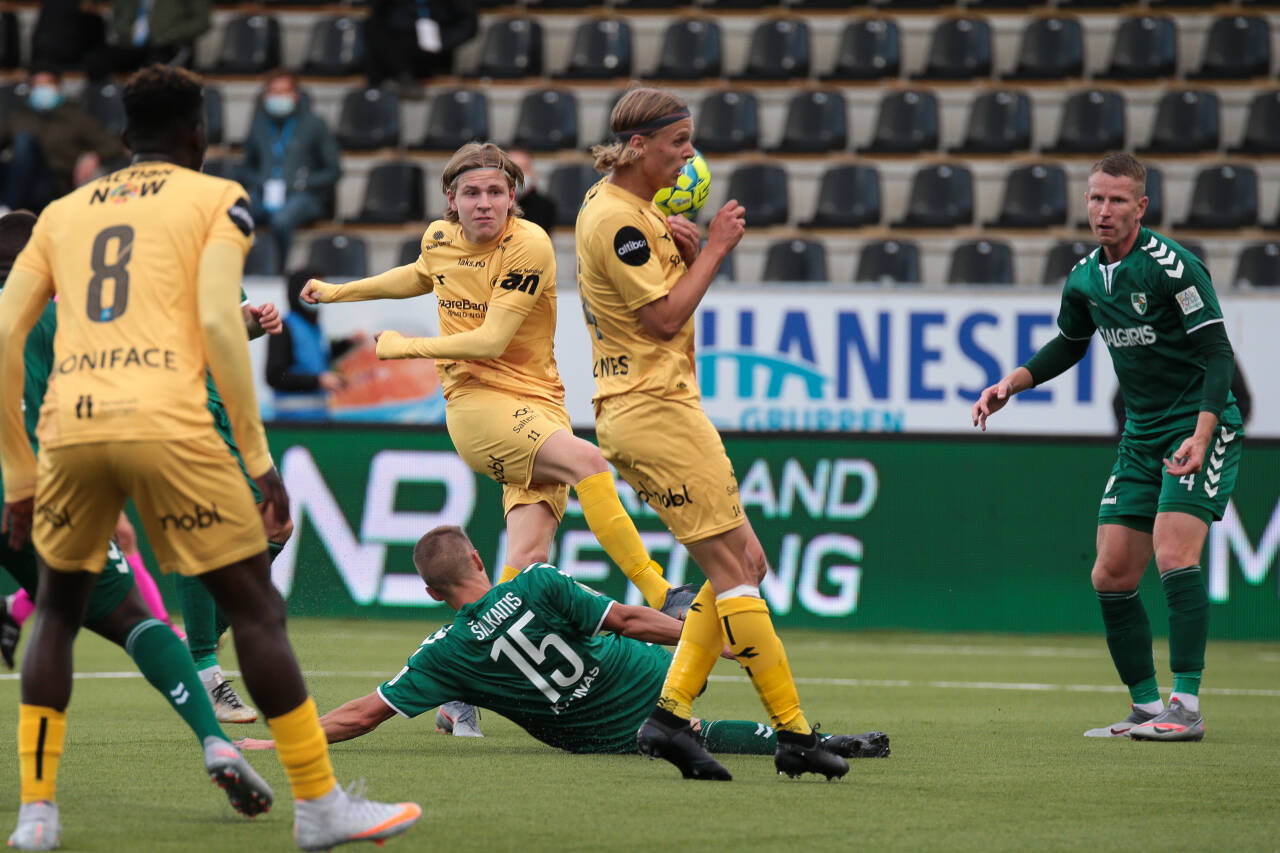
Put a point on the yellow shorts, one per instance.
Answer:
(673, 457)
(498, 434)
(193, 501)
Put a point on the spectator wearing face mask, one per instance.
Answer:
(54, 145)
(291, 162)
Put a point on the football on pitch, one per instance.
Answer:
(691, 189)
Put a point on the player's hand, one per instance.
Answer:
(1188, 458)
(991, 400)
(16, 521)
(728, 225)
(686, 237)
(268, 318)
(313, 291)
(274, 497)
(389, 344)
(255, 743)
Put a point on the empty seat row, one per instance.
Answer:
(960, 48)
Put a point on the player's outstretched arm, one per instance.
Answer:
(642, 623)
(489, 340)
(993, 397)
(396, 283)
(355, 718)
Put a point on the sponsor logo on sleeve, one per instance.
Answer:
(1189, 300)
(631, 246)
(241, 216)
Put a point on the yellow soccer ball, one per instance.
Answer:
(690, 192)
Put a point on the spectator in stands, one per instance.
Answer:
(67, 31)
(539, 208)
(55, 145)
(148, 31)
(291, 161)
(415, 39)
(298, 359)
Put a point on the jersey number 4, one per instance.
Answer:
(117, 272)
(521, 651)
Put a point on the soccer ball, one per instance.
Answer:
(690, 192)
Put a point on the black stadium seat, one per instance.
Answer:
(10, 44)
(906, 124)
(1062, 257)
(1224, 197)
(690, 50)
(779, 50)
(1051, 49)
(795, 261)
(1237, 47)
(1262, 126)
(728, 121)
(889, 261)
(457, 116)
(567, 187)
(981, 262)
(941, 197)
(105, 102)
(999, 123)
(960, 49)
(548, 120)
(512, 48)
(601, 50)
(816, 123)
(1035, 196)
(213, 114)
(1145, 47)
(250, 45)
(409, 251)
(1093, 122)
(869, 49)
(339, 256)
(1186, 123)
(762, 189)
(336, 48)
(848, 197)
(1259, 265)
(369, 119)
(223, 167)
(263, 258)
(395, 193)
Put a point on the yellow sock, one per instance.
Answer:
(616, 532)
(508, 572)
(304, 751)
(756, 646)
(41, 732)
(701, 642)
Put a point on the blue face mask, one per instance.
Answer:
(279, 105)
(44, 98)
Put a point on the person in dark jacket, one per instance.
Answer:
(291, 162)
(298, 359)
(415, 39)
(147, 31)
(539, 208)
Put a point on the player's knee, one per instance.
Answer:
(589, 460)
(1107, 577)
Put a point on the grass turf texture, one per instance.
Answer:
(978, 768)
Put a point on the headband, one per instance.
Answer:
(655, 125)
(458, 176)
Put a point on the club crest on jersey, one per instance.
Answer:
(1139, 302)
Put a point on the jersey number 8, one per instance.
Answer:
(117, 272)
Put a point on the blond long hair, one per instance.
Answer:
(638, 108)
(480, 155)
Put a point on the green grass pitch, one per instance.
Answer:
(987, 756)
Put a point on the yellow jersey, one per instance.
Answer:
(517, 271)
(628, 258)
(123, 253)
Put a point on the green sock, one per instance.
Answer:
(740, 737)
(1188, 626)
(1129, 640)
(165, 663)
(201, 620)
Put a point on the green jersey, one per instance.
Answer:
(1144, 307)
(531, 650)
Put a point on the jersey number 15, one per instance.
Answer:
(521, 651)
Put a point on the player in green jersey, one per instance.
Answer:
(573, 668)
(1153, 305)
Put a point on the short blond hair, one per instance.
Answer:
(443, 557)
(1121, 165)
(637, 108)
(480, 155)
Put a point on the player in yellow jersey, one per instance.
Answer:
(494, 277)
(640, 276)
(146, 263)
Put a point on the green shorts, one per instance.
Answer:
(114, 581)
(223, 425)
(1140, 487)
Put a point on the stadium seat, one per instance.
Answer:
(959, 49)
(395, 193)
(1145, 47)
(213, 113)
(512, 48)
(1237, 47)
(1262, 126)
(816, 123)
(1062, 257)
(762, 189)
(1224, 197)
(250, 45)
(1186, 123)
(628, 5)
(409, 251)
(222, 167)
(779, 50)
(601, 50)
(728, 121)
(457, 116)
(336, 48)
(339, 256)
(1002, 4)
(1195, 247)
(263, 257)
(1050, 49)
(906, 124)
(105, 102)
(548, 120)
(690, 50)
(981, 262)
(10, 44)
(738, 4)
(1093, 122)
(889, 261)
(1035, 196)
(369, 119)
(795, 261)
(941, 197)
(848, 197)
(869, 49)
(999, 123)
(11, 96)
(567, 186)
(1259, 265)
